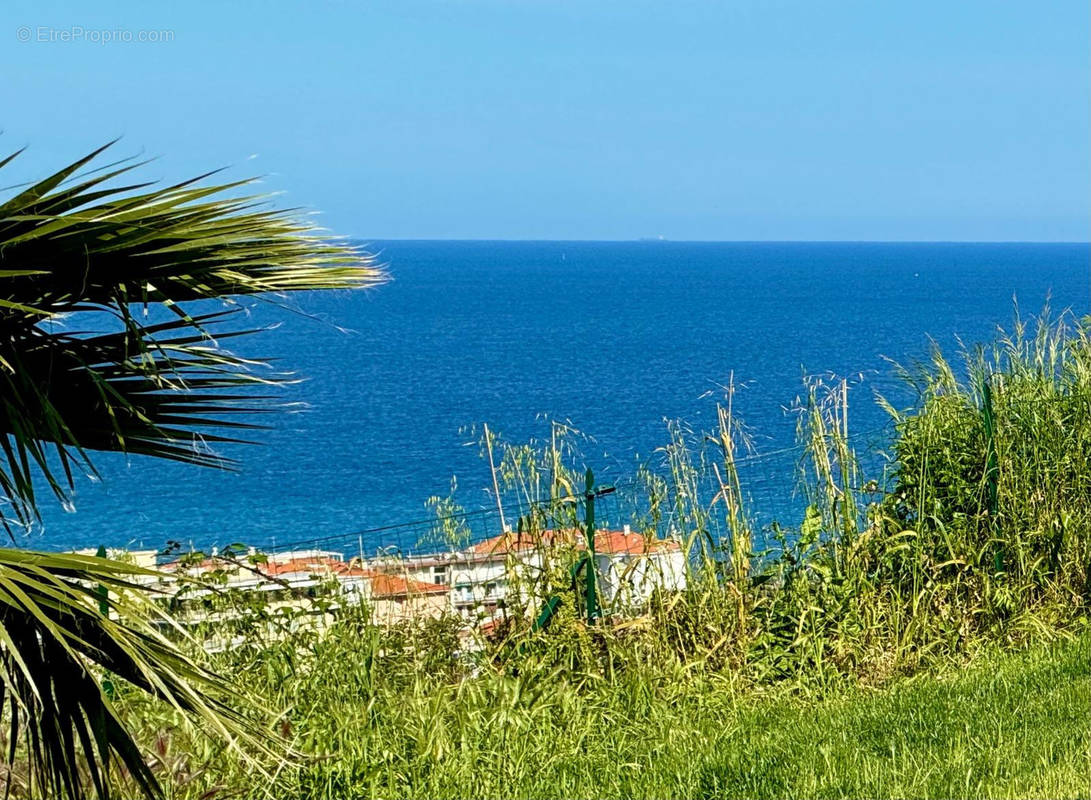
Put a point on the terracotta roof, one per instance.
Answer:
(349, 569)
(384, 585)
(510, 542)
(632, 543)
(174, 566)
(309, 566)
(306, 564)
(607, 542)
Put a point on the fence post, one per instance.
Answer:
(104, 609)
(992, 466)
(589, 498)
(102, 591)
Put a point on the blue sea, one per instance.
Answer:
(615, 337)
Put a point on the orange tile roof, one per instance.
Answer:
(271, 568)
(632, 543)
(296, 565)
(384, 585)
(607, 542)
(349, 569)
(510, 542)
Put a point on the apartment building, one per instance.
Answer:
(476, 583)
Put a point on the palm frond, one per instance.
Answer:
(51, 631)
(94, 244)
(156, 391)
(91, 239)
(76, 242)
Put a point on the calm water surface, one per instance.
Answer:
(615, 337)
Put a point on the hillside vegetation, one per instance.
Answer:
(922, 636)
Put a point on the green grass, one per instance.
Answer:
(1011, 726)
(1006, 725)
(956, 592)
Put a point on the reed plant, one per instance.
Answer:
(978, 542)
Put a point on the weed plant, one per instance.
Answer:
(980, 543)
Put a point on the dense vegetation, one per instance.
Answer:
(1012, 725)
(822, 667)
(85, 254)
(777, 671)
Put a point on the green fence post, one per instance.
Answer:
(104, 609)
(589, 496)
(103, 592)
(586, 561)
(992, 467)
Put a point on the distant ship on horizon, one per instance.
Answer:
(652, 239)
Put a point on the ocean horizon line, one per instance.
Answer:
(652, 240)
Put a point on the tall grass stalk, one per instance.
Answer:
(981, 541)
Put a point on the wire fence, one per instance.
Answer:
(770, 484)
(466, 528)
(628, 504)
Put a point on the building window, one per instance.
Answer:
(439, 574)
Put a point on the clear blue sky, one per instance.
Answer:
(588, 119)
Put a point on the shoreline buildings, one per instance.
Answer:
(480, 583)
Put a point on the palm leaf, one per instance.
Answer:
(70, 244)
(93, 240)
(52, 631)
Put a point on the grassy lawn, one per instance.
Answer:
(1009, 725)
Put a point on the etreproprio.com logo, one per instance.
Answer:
(77, 33)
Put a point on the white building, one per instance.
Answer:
(293, 576)
(629, 566)
(475, 583)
